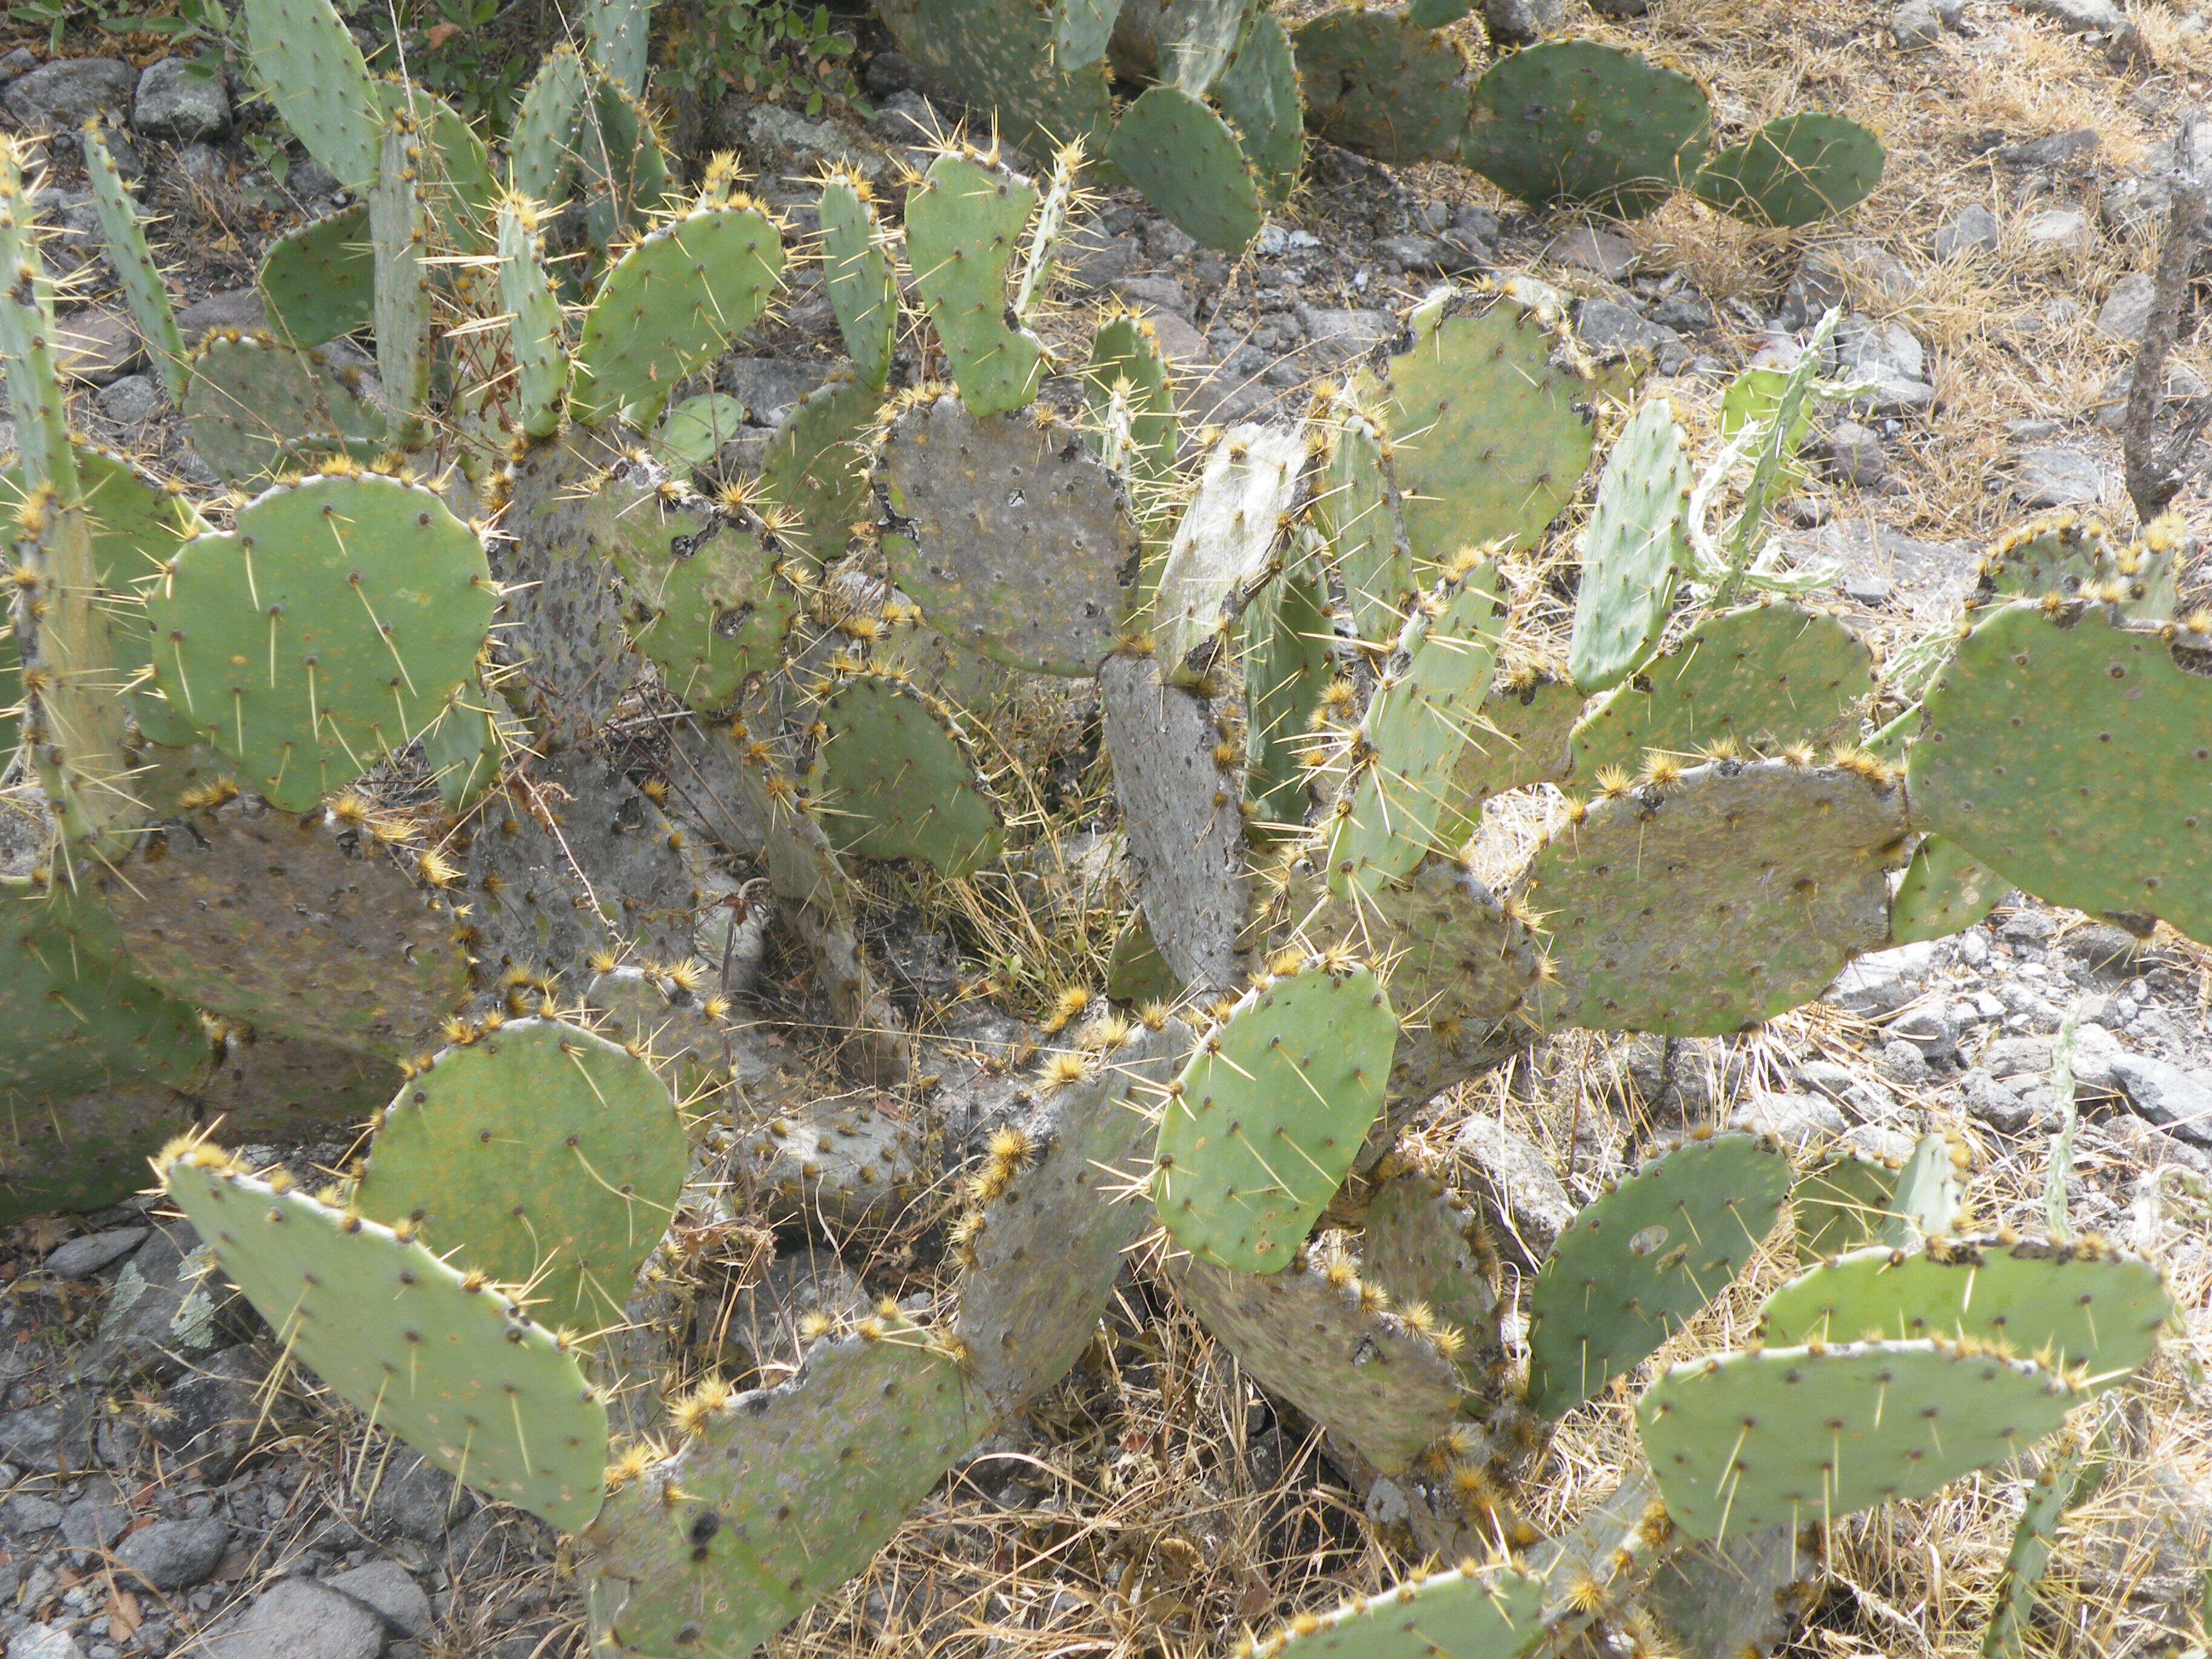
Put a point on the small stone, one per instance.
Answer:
(2055, 150)
(1588, 248)
(1855, 455)
(1166, 241)
(2178, 1100)
(1928, 1026)
(892, 71)
(237, 307)
(1914, 24)
(1512, 1183)
(2083, 16)
(97, 345)
(2128, 207)
(1410, 252)
(207, 1418)
(2126, 310)
(1795, 1119)
(1872, 590)
(1335, 333)
(907, 118)
(63, 95)
(1993, 1104)
(2105, 947)
(94, 1523)
(43, 1641)
(182, 100)
(2051, 477)
(298, 1619)
(203, 167)
(1090, 258)
(42, 1438)
(1682, 310)
(1154, 294)
(2027, 927)
(1522, 22)
(1865, 345)
(86, 1254)
(419, 1501)
(174, 1555)
(392, 1591)
(22, 61)
(1902, 1063)
(26, 1512)
(2058, 234)
(1971, 230)
(1889, 392)
(1828, 277)
(1179, 340)
(128, 399)
(1611, 327)
(1882, 981)
(770, 387)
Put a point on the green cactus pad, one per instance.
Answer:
(779, 1496)
(622, 172)
(144, 293)
(706, 596)
(1469, 1612)
(1636, 1264)
(542, 146)
(892, 776)
(1364, 1375)
(1224, 544)
(1843, 1203)
(1357, 510)
(319, 281)
(1763, 676)
(1489, 439)
(616, 31)
(857, 273)
(1379, 84)
(449, 1364)
(540, 1154)
(816, 466)
(2060, 554)
(1581, 124)
(526, 293)
(399, 227)
(1791, 1436)
(1424, 1245)
(255, 408)
(80, 1152)
(1946, 890)
(1796, 170)
(962, 223)
(2100, 802)
(1287, 664)
(1737, 1599)
(682, 295)
(1259, 92)
(1262, 1125)
(1771, 877)
(465, 747)
(330, 624)
(2060, 1306)
(1124, 351)
(1191, 166)
(2070, 1474)
(1001, 61)
(297, 928)
(1080, 29)
(305, 59)
(1630, 549)
(1042, 1257)
(1520, 737)
(1013, 540)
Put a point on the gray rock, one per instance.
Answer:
(1968, 231)
(2055, 150)
(1682, 310)
(2126, 311)
(2058, 234)
(1154, 294)
(182, 100)
(760, 1328)
(129, 399)
(2017, 1056)
(203, 167)
(94, 1523)
(27, 1512)
(1684, 1079)
(392, 1591)
(1522, 22)
(1855, 455)
(43, 1641)
(1882, 981)
(1795, 1119)
(1841, 1084)
(2180, 384)
(417, 1500)
(1513, 1187)
(1915, 24)
(22, 61)
(1903, 1064)
(1611, 327)
(1890, 392)
(237, 307)
(1411, 253)
(908, 117)
(1873, 591)
(168, 1311)
(1989, 1100)
(1166, 241)
(45, 1438)
(1586, 247)
(1090, 258)
(1930, 577)
(2177, 1100)
(2025, 926)
(769, 387)
(298, 1619)
(2127, 207)
(2105, 947)
(207, 1418)
(1866, 345)
(97, 345)
(2083, 16)
(1828, 277)
(1179, 341)
(892, 71)
(1928, 1025)
(63, 95)
(174, 1555)
(2051, 476)
(86, 1254)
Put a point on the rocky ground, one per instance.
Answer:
(167, 1486)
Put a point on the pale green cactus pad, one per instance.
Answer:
(964, 221)
(1582, 124)
(1762, 677)
(1634, 544)
(316, 76)
(1468, 1612)
(1803, 888)
(1357, 510)
(447, 1362)
(255, 407)
(817, 467)
(857, 273)
(1379, 84)
(541, 145)
(1426, 1247)
(706, 595)
(1520, 737)
(776, 1498)
(1843, 1202)
(1946, 890)
(2122, 728)
(540, 1154)
(1287, 664)
(526, 293)
(319, 281)
(1739, 1598)
(1637, 1262)
(1795, 1435)
(1125, 353)
(1796, 170)
(1190, 165)
(892, 776)
(329, 626)
(1264, 1121)
(2063, 1306)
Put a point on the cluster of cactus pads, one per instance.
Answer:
(336, 835)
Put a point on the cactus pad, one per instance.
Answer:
(1469, 1612)
(526, 293)
(399, 225)
(1424, 1245)
(319, 281)
(542, 146)
(1358, 511)
(306, 59)
(1489, 439)
(2061, 1306)
(255, 408)
(539, 1154)
(679, 297)
(857, 273)
(1843, 1203)
(1796, 170)
(892, 776)
(1763, 676)
(1581, 124)
(1011, 537)
(1190, 166)
(448, 1363)
(1630, 549)
(306, 929)
(144, 293)
(2100, 802)
(817, 467)
(1263, 1123)
(1792, 1436)
(1225, 545)
(329, 625)
(1286, 659)
(1771, 875)
(1310, 1336)
(1002, 62)
(1125, 352)
(778, 1496)
(1946, 890)
(705, 594)
(1739, 1597)
(963, 222)
(1378, 84)
(1258, 90)
(1519, 738)
(1637, 1263)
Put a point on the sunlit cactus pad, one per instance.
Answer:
(1796, 1436)
(1469, 1612)
(538, 1153)
(1583, 124)
(892, 776)
(963, 225)
(1639, 1261)
(445, 1361)
(1796, 170)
